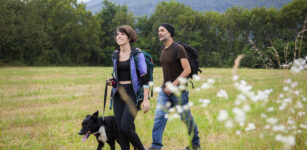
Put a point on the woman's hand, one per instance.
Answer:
(110, 81)
(146, 105)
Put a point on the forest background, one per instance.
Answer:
(65, 33)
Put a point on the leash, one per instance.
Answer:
(105, 98)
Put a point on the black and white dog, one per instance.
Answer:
(104, 129)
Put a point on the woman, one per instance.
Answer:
(131, 77)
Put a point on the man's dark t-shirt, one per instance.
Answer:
(171, 65)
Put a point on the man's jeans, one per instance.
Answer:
(160, 120)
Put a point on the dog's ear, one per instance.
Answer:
(95, 115)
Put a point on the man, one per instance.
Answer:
(174, 66)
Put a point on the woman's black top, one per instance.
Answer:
(123, 68)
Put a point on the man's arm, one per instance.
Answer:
(186, 70)
(185, 73)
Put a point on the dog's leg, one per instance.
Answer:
(100, 145)
(112, 144)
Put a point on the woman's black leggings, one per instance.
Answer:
(125, 120)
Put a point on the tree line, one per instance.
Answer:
(63, 32)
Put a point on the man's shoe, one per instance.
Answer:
(194, 147)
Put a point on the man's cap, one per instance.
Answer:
(169, 28)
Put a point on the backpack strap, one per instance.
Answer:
(176, 50)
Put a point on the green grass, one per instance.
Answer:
(42, 108)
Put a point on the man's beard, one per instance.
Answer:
(163, 39)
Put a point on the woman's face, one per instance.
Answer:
(121, 38)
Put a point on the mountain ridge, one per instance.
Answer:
(147, 7)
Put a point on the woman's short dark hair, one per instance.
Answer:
(129, 31)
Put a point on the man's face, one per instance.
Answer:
(164, 35)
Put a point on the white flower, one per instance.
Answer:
(263, 115)
(239, 115)
(299, 105)
(185, 107)
(223, 115)
(298, 65)
(281, 95)
(190, 104)
(150, 83)
(277, 128)
(283, 106)
(222, 94)
(196, 77)
(166, 116)
(270, 109)
(246, 108)
(171, 87)
(229, 124)
(291, 122)
(288, 140)
(182, 87)
(250, 126)
(294, 84)
(168, 104)
(182, 80)
(288, 81)
(299, 131)
(241, 97)
(204, 102)
(206, 86)
(304, 99)
(287, 100)
(235, 78)
(243, 87)
(179, 109)
(297, 92)
(238, 132)
(157, 89)
(174, 116)
(272, 121)
(267, 126)
(172, 110)
(211, 81)
(303, 126)
(301, 113)
(286, 88)
(237, 102)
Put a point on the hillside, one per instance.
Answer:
(147, 7)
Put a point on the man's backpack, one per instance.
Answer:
(150, 66)
(192, 56)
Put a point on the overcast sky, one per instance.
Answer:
(83, 1)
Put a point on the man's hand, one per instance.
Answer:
(146, 105)
(167, 91)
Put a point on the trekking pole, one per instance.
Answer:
(105, 98)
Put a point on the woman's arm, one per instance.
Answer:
(144, 79)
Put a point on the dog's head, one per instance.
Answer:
(89, 125)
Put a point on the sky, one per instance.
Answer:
(79, 1)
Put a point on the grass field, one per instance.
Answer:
(42, 108)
